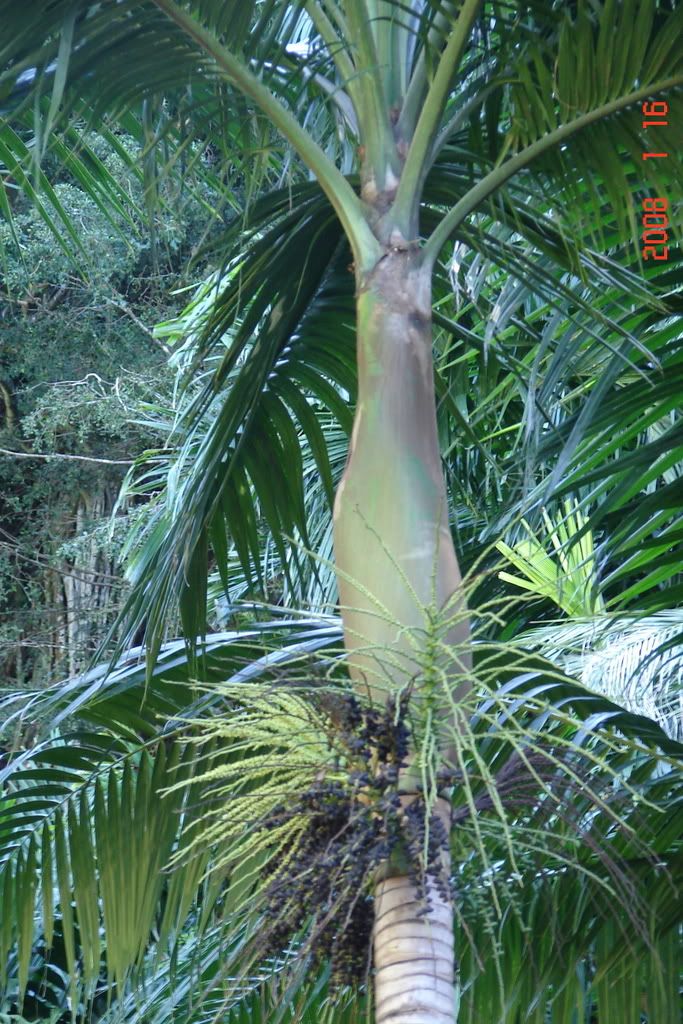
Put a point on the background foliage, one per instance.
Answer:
(78, 362)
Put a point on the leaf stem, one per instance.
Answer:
(337, 189)
(497, 177)
(407, 202)
(417, 86)
(377, 136)
(335, 45)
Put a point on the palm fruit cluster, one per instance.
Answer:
(353, 826)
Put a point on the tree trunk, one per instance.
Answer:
(413, 952)
(393, 549)
(396, 569)
(87, 579)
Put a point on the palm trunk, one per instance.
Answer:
(396, 563)
(413, 952)
(413, 957)
(393, 548)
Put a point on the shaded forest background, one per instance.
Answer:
(80, 373)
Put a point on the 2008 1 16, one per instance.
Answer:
(655, 221)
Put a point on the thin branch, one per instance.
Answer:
(407, 201)
(74, 458)
(81, 574)
(497, 177)
(139, 323)
(346, 203)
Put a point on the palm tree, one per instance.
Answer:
(444, 122)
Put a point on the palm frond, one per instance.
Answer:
(68, 802)
(569, 578)
(276, 356)
(88, 816)
(563, 116)
(635, 661)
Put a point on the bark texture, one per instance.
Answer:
(413, 953)
(414, 958)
